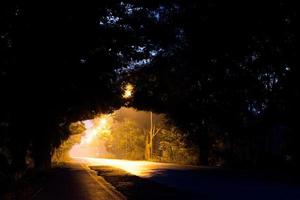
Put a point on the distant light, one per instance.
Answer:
(103, 121)
(128, 92)
(93, 129)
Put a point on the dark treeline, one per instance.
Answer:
(226, 73)
(46, 82)
(223, 72)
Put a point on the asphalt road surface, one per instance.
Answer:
(212, 183)
(75, 181)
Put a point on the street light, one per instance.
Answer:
(103, 121)
(128, 92)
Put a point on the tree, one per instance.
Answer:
(39, 100)
(153, 131)
(175, 147)
(126, 140)
(227, 78)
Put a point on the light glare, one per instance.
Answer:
(128, 92)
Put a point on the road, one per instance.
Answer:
(207, 182)
(145, 169)
(75, 181)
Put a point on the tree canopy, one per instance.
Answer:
(217, 69)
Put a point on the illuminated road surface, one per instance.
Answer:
(139, 168)
(209, 183)
(75, 181)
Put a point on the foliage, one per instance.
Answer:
(174, 147)
(126, 140)
(77, 128)
(129, 138)
(40, 94)
(61, 154)
(230, 74)
(217, 69)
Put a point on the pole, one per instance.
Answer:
(151, 133)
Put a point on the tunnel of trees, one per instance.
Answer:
(224, 72)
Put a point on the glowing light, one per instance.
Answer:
(128, 92)
(103, 121)
(93, 129)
